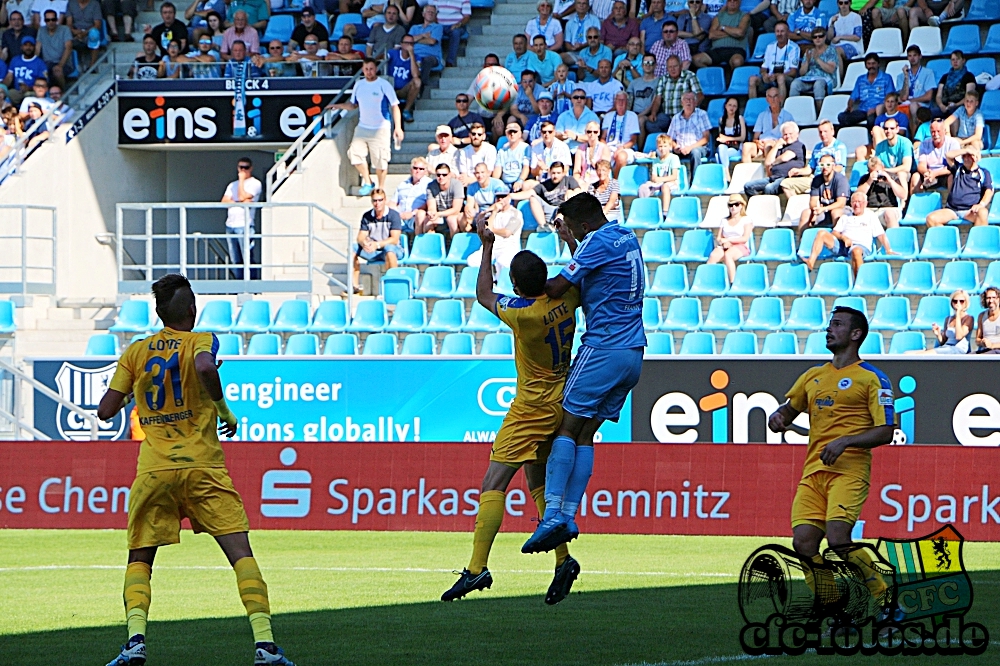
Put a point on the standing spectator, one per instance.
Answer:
(402, 65)
(669, 46)
(867, 99)
(601, 93)
(513, 164)
(954, 337)
(454, 15)
(577, 26)
(171, 28)
(954, 85)
(606, 189)
(732, 133)
(885, 194)
(571, 125)
(664, 176)
(147, 64)
(827, 197)
(896, 155)
(479, 151)
(651, 26)
(463, 122)
(258, 12)
(411, 194)
(196, 16)
(966, 123)
(373, 97)
(444, 151)
(670, 90)
(844, 31)
(239, 220)
(781, 64)
(786, 158)
(589, 58)
(379, 237)
(542, 61)
(803, 23)
(733, 238)
(620, 129)
(517, 60)
(545, 25)
(729, 38)
(444, 204)
(693, 25)
(546, 111)
(55, 47)
(12, 36)
(988, 332)
(83, 18)
(546, 197)
(589, 153)
(970, 191)
(691, 131)
(830, 145)
(482, 192)
(628, 65)
(238, 31)
(641, 92)
(128, 10)
(24, 69)
(386, 35)
(618, 28)
(766, 128)
(932, 159)
(916, 84)
(427, 44)
(561, 89)
(506, 223)
(547, 151)
(853, 237)
(310, 26)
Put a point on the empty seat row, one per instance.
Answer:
(784, 344)
(429, 249)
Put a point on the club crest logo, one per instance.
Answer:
(84, 387)
(844, 383)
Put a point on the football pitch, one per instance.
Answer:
(372, 598)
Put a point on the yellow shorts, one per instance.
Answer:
(825, 496)
(204, 495)
(526, 434)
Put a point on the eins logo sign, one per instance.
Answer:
(200, 123)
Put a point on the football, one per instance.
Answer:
(494, 88)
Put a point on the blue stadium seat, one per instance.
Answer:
(427, 249)
(940, 243)
(920, 206)
(724, 314)
(504, 285)
(370, 317)
(545, 244)
(856, 302)
(958, 275)
(380, 344)
(939, 66)
(992, 278)
(264, 344)
(873, 279)
(462, 245)
(991, 164)
(832, 279)
(553, 270)
(657, 246)
(991, 105)
(215, 317)
(762, 41)
(458, 344)
(341, 344)
(646, 213)
(750, 280)
(650, 144)
(696, 245)
(709, 280)
(806, 243)
(230, 344)
(630, 178)
(698, 344)
(857, 170)
(467, 283)
(650, 313)
(291, 317)
(992, 43)
(739, 84)
(498, 344)
(302, 344)
(530, 223)
(902, 240)
(7, 322)
(133, 317)
(254, 317)
(776, 245)
(766, 314)
(683, 314)
(330, 317)
(399, 283)
(872, 345)
(906, 341)
(684, 213)
(892, 313)
(982, 243)
(418, 344)
(438, 282)
(712, 80)
(740, 343)
(754, 107)
(930, 310)
(789, 280)
(977, 66)
(807, 313)
(816, 344)
(482, 320)
(659, 344)
(709, 180)
(983, 10)
(915, 277)
(102, 344)
(669, 280)
(342, 21)
(447, 316)
(410, 317)
(716, 107)
(280, 27)
(963, 37)
(783, 344)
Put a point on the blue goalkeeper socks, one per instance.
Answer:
(583, 467)
(557, 472)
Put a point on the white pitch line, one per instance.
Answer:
(706, 660)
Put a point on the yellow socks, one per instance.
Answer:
(253, 594)
(873, 577)
(137, 594)
(488, 520)
(538, 494)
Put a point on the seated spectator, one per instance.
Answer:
(24, 69)
(966, 123)
(258, 12)
(953, 86)
(693, 24)
(545, 25)
(513, 165)
(867, 100)
(546, 196)
(546, 151)
(202, 63)
(886, 195)
(923, 131)
(932, 159)
(402, 64)
(35, 131)
(954, 337)
(445, 197)
(478, 151)
(506, 222)
(620, 130)
(889, 16)
(589, 153)
(970, 191)
(482, 192)
(384, 36)
(170, 67)
(641, 92)
(827, 197)
(804, 22)
(454, 15)
(147, 64)
(172, 28)
(238, 59)
(664, 173)
(733, 237)
(12, 36)
(545, 112)
(196, 16)
(732, 133)
(577, 27)
(916, 84)
(691, 132)
(896, 155)
(670, 45)
(427, 44)
(39, 97)
(55, 47)
(310, 26)
(444, 151)
(891, 113)
(542, 61)
(729, 37)
(601, 8)
(651, 26)
(216, 29)
(310, 57)
(818, 69)
(63, 113)
(379, 237)
(84, 19)
(628, 65)
(588, 59)
(932, 12)
(781, 64)
(606, 189)
(845, 31)
(517, 60)
(829, 144)
(853, 237)
(571, 125)
(670, 89)
(524, 104)
(618, 28)
(490, 60)
(988, 331)
(785, 158)
(561, 89)
(766, 128)
(241, 31)
(462, 123)
(411, 194)
(371, 14)
(407, 11)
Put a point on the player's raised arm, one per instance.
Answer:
(484, 284)
(208, 374)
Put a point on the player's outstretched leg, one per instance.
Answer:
(253, 594)
(567, 568)
(553, 530)
(488, 521)
(137, 598)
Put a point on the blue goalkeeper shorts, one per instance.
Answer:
(600, 380)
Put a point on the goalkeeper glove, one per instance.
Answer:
(225, 414)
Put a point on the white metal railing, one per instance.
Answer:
(28, 258)
(13, 419)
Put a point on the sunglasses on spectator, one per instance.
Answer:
(477, 134)
(49, 20)
(548, 132)
(312, 43)
(735, 205)
(513, 130)
(669, 31)
(958, 300)
(461, 100)
(589, 37)
(593, 131)
(441, 174)
(209, 41)
(244, 166)
(578, 97)
(418, 168)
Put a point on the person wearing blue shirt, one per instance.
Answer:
(238, 61)
(23, 71)
(402, 65)
(651, 26)
(829, 144)
(483, 192)
(804, 20)
(575, 30)
(427, 44)
(607, 268)
(868, 97)
(514, 159)
(533, 129)
(542, 61)
(588, 58)
(571, 126)
(517, 60)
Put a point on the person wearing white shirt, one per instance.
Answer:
(240, 220)
(478, 151)
(620, 131)
(781, 64)
(546, 25)
(411, 194)
(602, 91)
(853, 237)
(547, 150)
(506, 223)
(39, 7)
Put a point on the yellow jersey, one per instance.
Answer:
(842, 403)
(175, 412)
(543, 343)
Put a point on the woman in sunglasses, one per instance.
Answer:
(988, 334)
(589, 153)
(817, 69)
(731, 243)
(954, 337)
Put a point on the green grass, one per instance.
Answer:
(372, 598)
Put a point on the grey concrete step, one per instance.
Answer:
(516, 19)
(505, 31)
(433, 116)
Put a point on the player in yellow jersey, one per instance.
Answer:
(543, 341)
(850, 407)
(182, 469)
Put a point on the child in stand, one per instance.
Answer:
(664, 174)
(561, 89)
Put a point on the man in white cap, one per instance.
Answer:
(442, 152)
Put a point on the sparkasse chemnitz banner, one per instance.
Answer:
(203, 111)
